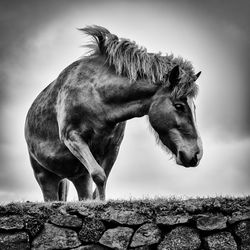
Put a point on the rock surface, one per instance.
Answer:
(147, 234)
(65, 220)
(242, 230)
(236, 217)
(222, 241)
(170, 220)
(11, 222)
(92, 247)
(210, 222)
(92, 230)
(33, 225)
(181, 238)
(53, 237)
(206, 224)
(117, 238)
(143, 248)
(14, 241)
(127, 217)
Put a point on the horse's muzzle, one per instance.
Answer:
(186, 161)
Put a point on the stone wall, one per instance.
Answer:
(213, 223)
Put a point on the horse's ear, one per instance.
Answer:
(174, 76)
(197, 75)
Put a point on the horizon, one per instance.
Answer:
(39, 39)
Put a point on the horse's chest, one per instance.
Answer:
(106, 142)
(101, 144)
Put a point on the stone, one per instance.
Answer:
(242, 230)
(39, 210)
(33, 225)
(85, 212)
(3, 210)
(91, 231)
(222, 241)
(211, 222)
(217, 204)
(52, 237)
(142, 248)
(11, 222)
(14, 241)
(191, 208)
(57, 204)
(117, 238)
(124, 217)
(181, 238)
(14, 208)
(65, 220)
(170, 220)
(147, 234)
(237, 216)
(92, 247)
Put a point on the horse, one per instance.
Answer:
(75, 126)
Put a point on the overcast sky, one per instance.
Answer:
(39, 39)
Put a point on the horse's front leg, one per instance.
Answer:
(80, 149)
(107, 165)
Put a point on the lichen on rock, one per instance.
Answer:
(147, 234)
(210, 222)
(181, 238)
(11, 222)
(14, 241)
(242, 230)
(65, 220)
(52, 237)
(124, 216)
(91, 231)
(117, 238)
(221, 241)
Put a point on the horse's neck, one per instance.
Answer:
(126, 100)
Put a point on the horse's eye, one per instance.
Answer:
(179, 107)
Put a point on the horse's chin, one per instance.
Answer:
(174, 151)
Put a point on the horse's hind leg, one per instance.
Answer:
(63, 190)
(83, 185)
(47, 181)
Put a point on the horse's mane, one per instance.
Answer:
(135, 62)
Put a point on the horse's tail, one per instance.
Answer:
(63, 190)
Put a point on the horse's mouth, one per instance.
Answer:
(182, 160)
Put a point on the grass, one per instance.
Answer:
(226, 205)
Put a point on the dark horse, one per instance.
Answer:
(75, 126)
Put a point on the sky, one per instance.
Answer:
(40, 38)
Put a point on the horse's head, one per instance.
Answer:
(173, 118)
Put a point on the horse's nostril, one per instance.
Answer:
(196, 156)
(194, 161)
(188, 162)
(197, 153)
(183, 158)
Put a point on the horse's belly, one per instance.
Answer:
(56, 158)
